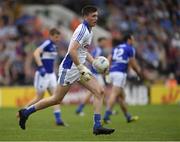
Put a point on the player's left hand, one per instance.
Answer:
(140, 79)
(42, 70)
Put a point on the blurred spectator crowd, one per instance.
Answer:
(154, 23)
(20, 34)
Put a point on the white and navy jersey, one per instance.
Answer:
(83, 35)
(98, 51)
(48, 55)
(120, 57)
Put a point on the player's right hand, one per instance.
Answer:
(42, 71)
(85, 72)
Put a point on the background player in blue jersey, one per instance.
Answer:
(72, 69)
(45, 78)
(122, 56)
(97, 51)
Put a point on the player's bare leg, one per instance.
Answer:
(57, 110)
(121, 101)
(119, 95)
(60, 92)
(98, 92)
(123, 105)
(107, 98)
(79, 110)
(37, 98)
(86, 100)
(55, 99)
(110, 103)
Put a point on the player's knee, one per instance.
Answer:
(100, 92)
(54, 100)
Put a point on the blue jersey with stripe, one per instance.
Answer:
(95, 53)
(120, 57)
(48, 55)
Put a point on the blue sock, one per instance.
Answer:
(57, 115)
(107, 114)
(127, 115)
(97, 120)
(29, 110)
(80, 108)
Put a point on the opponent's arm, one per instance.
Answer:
(135, 66)
(37, 57)
(37, 54)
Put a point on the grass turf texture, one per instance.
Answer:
(158, 123)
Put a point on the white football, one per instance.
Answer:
(100, 64)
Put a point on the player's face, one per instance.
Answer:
(92, 19)
(132, 40)
(55, 37)
(103, 43)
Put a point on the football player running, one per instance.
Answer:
(72, 69)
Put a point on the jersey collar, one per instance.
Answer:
(128, 44)
(51, 41)
(87, 25)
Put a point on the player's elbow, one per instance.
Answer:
(73, 47)
(36, 54)
(71, 52)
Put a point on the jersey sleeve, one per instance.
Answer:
(79, 34)
(44, 44)
(131, 52)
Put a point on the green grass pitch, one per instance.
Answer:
(159, 123)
